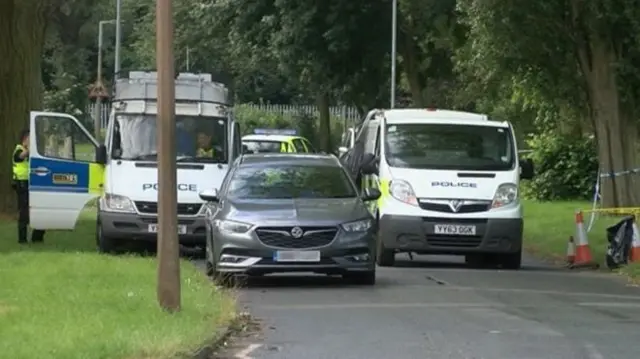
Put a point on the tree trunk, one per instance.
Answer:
(22, 34)
(322, 101)
(615, 130)
(411, 67)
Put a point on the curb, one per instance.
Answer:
(208, 350)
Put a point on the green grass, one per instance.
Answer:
(62, 300)
(548, 225)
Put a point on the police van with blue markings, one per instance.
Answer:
(69, 167)
(449, 182)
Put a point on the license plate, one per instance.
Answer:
(455, 229)
(296, 256)
(182, 229)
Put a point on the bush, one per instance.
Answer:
(566, 167)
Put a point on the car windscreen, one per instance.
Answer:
(255, 146)
(449, 147)
(290, 181)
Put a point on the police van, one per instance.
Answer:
(70, 167)
(449, 182)
(266, 140)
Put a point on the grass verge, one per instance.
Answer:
(548, 225)
(60, 299)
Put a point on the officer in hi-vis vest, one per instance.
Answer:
(21, 186)
(205, 147)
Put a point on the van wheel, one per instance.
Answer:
(511, 260)
(105, 244)
(385, 257)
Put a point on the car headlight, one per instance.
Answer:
(117, 203)
(358, 226)
(403, 192)
(506, 194)
(233, 226)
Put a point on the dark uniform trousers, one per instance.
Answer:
(22, 192)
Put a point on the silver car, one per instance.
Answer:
(290, 213)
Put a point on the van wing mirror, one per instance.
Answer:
(369, 164)
(527, 171)
(101, 155)
(371, 194)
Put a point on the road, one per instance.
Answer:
(431, 309)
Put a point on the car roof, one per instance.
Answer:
(272, 138)
(306, 159)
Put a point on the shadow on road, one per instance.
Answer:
(457, 262)
(309, 281)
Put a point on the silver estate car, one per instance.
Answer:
(290, 213)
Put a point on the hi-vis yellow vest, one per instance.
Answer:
(204, 153)
(20, 169)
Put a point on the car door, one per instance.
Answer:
(66, 170)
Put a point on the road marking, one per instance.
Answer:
(592, 352)
(610, 304)
(244, 353)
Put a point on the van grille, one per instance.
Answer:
(184, 209)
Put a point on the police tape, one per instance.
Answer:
(622, 211)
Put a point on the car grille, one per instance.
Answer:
(465, 208)
(184, 209)
(281, 237)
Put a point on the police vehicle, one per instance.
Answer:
(69, 167)
(276, 141)
(449, 182)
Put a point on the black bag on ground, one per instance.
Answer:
(620, 236)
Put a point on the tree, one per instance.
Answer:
(22, 34)
(576, 55)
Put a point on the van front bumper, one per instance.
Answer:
(133, 226)
(417, 234)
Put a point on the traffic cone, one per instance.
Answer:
(571, 251)
(583, 257)
(634, 252)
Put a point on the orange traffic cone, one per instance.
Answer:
(571, 251)
(583, 252)
(634, 252)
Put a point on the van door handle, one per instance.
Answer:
(41, 171)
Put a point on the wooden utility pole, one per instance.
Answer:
(168, 248)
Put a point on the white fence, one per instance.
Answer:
(343, 115)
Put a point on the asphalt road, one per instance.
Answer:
(429, 309)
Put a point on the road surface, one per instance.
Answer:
(426, 309)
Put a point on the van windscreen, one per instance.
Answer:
(449, 147)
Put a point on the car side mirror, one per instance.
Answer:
(209, 195)
(526, 169)
(101, 155)
(369, 164)
(371, 194)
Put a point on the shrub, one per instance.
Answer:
(566, 167)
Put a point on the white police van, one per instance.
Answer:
(449, 182)
(69, 167)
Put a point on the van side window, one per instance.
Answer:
(297, 144)
(370, 137)
(377, 143)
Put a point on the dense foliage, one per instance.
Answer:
(518, 60)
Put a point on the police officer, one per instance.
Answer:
(205, 148)
(21, 186)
